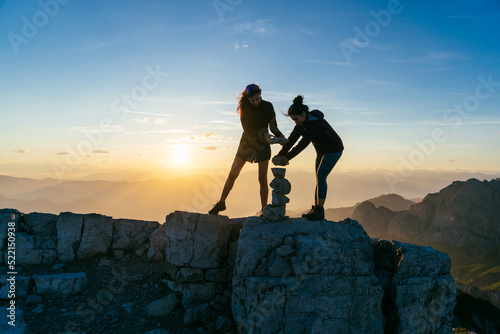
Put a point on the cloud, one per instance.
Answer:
(210, 148)
(326, 62)
(258, 27)
(148, 132)
(23, 151)
(298, 30)
(203, 138)
(237, 46)
(432, 57)
(161, 121)
(474, 16)
(62, 153)
(142, 120)
(380, 83)
(101, 152)
(147, 113)
(207, 136)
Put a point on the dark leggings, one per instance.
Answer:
(324, 165)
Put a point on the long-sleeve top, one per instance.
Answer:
(316, 130)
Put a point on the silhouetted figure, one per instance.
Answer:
(257, 117)
(312, 127)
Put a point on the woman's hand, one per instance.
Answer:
(279, 160)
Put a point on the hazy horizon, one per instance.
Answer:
(136, 196)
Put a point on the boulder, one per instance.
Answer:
(162, 306)
(274, 212)
(35, 249)
(299, 276)
(61, 284)
(130, 233)
(198, 251)
(96, 236)
(156, 248)
(40, 223)
(196, 240)
(69, 234)
(420, 294)
(196, 293)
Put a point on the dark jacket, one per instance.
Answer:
(316, 130)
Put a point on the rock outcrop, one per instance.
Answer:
(299, 276)
(464, 214)
(43, 238)
(132, 236)
(253, 275)
(199, 258)
(419, 293)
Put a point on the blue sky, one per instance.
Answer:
(88, 86)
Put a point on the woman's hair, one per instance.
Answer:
(248, 92)
(297, 108)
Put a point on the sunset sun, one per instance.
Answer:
(180, 154)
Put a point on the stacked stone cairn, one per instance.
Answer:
(277, 209)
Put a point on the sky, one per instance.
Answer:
(97, 86)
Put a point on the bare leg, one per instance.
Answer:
(238, 164)
(264, 189)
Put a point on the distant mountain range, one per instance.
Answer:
(463, 220)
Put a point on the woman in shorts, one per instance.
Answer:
(257, 117)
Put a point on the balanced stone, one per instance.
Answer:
(278, 199)
(282, 186)
(279, 172)
(274, 212)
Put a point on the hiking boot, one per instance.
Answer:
(309, 212)
(220, 206)
(317, 214)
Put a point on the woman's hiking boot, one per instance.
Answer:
(309, 212)
(318, 213)
(220, 206)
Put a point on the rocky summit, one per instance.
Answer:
(221, 275)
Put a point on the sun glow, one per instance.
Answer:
(180, 154)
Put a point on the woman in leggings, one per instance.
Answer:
(312, 127)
